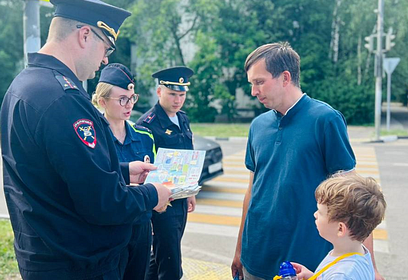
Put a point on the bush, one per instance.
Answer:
(355, 102)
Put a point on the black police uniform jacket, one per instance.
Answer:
(166, 133)
(68, 202)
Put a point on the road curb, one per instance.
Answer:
(383, 139)
(387, 139)
(232, 139)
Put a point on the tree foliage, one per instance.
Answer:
(11, 42)
(214, 38)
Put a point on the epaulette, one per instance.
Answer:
(65, 82)
(149, 117)
(142, 128)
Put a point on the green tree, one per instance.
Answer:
(347, 82)
(11, 42)
(215, 37)
(161, 31)
(396, 17)
(12, 39)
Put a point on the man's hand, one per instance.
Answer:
(138, 171)
(163, 195)
(236, 266)
(191, 204)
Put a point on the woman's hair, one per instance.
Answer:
(102, 90)
(354, 200)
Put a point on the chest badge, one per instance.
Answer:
(86, 132)
(146, 159)
(168, 131)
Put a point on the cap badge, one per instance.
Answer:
(131, 86)
(181, 80)
(111, 31)
(85, 130)
(168, 131)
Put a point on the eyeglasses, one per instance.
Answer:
(124, 100)
(111, 48)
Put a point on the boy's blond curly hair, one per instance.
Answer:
(354, 200)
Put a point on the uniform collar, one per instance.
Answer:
(130, 132)
(163, 117)
(130, 136)
(50, 62)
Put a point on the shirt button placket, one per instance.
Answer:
(279, 136)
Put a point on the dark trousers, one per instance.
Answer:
(114, 274)
(168, 229)
(139, 252)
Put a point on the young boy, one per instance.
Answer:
(348, 209)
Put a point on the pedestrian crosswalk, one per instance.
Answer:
(367, 166)
(220, 200)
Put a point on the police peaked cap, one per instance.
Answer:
(118, 75)
(106, 17)
(175, 78)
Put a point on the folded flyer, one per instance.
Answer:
(178, 170)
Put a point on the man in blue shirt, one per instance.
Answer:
(291, 149)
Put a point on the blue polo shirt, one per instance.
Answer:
(290, 156)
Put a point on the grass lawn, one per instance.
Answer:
(221, 130)
(397, 132)
(8, 263)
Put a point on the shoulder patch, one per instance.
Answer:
(149, 117)
(86, 132)
(65, 82)
(142, 128)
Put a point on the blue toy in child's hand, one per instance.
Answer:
(236, 276)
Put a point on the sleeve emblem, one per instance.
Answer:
(85, 130)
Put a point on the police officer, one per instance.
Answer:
(69, 205)
(171, 129)
(116, 97)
